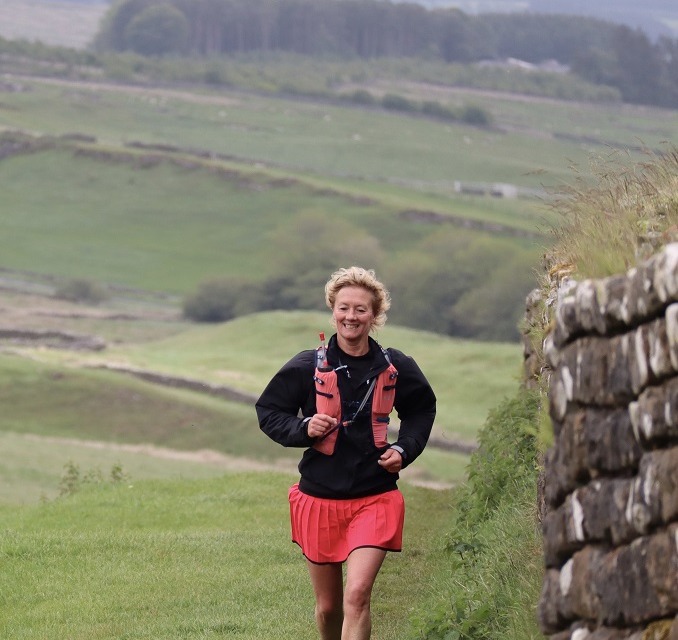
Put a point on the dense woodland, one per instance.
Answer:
(643, 71)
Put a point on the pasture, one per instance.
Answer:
(224, 177)
(188, 559)
(60, 23)
(149, 190)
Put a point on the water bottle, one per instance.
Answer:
(321, 363)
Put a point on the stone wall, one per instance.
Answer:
(610, 524)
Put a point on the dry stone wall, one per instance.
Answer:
(610, 527)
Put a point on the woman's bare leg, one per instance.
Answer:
(362, 568)
(328, 588)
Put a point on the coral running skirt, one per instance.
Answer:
(328, 530)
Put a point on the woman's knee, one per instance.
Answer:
(328, 612)
(357, 597)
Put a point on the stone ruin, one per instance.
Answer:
(610, 522)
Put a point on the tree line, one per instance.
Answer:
(643, 71)
(453, 281)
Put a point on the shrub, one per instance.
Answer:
(438, 110)
(475, 115)
(72, 478)
(362, 96)
(81, 290)
(223, 299)
(491, 576)
(398, 103)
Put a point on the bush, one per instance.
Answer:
(438, 110)
(362, 96)
(397, 103)
(475, 115)
(80, 290)
(214, 301)
(491, 576)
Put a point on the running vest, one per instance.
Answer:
(328, 401)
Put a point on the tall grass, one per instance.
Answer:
(490, 580)
(612, 217)
(620, 215)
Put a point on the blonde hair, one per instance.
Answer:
(365, 278)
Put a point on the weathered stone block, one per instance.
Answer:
(659, 478)
(671, 318)
(607, 633)
(638, 353)
(601, 506)
(665, 273)
(550, 615)
(626, 370)
(611, 298)
(611, 445)
(654, 416)
(638, 583)
(578, 581)
(642, 301)
(659, 349)
(560, 541)
(589, 318)
(560, 395)
(566, 325)
(591, 442)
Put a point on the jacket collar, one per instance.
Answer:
(379, 361)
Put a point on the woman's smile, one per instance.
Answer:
(353, 316)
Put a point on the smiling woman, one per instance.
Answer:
(335, 403)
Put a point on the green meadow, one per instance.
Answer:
(187, 559)
(130, 509)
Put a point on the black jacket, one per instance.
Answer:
(352, 471)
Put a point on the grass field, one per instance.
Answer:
(534, 142)
(469, 377)
(52, 400)
(185, 547)
(188, 559)
(60, 23)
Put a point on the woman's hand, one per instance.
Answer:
(391, 460)
(320, 424)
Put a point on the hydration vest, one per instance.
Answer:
(328, 401)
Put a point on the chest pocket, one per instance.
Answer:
(327, 401)
(382, 405)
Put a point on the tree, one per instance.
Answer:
(457, 38)
(639, 66)
(158, 30)
(310, 248)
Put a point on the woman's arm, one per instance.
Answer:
(279, 406)
(415, 403)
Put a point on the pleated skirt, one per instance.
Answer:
(329, 530)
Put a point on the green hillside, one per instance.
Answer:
(148, 191)
(57, 393)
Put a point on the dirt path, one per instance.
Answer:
(144, 91)
(210, 457)
(200, 456)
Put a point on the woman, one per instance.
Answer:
(346, 506)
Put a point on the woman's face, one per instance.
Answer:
(353, 315)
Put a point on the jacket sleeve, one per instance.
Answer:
(279, 406)
(415, 404)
